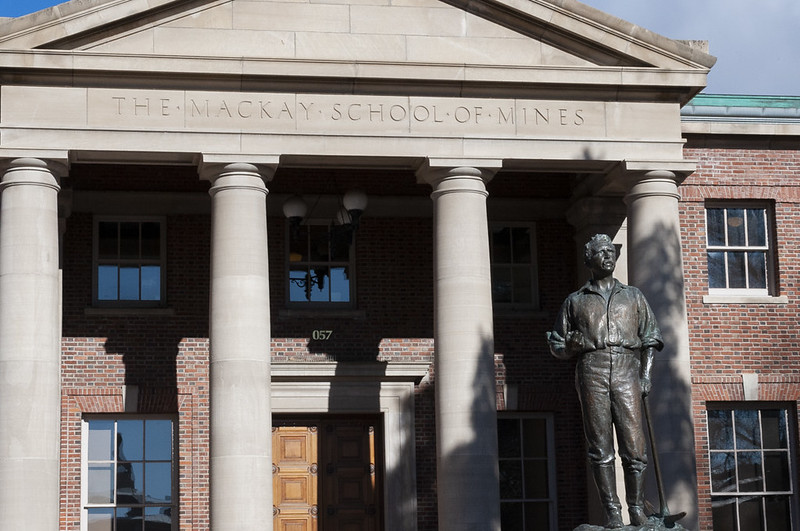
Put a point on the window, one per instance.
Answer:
(752, 483)
(738, 247)
(514, 276)
(320, 264)
(128, 475)
(527, 472)
(129, 262)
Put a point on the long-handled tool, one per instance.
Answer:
(668, 518)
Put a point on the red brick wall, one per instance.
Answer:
(729, 339)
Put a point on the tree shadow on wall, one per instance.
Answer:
(658, 258)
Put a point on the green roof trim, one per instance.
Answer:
(732, 100)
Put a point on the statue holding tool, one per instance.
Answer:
(611, 330)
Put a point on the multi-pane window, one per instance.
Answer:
(738, 248)
(320, 264)
(527, 473)
(128, 475)
(752, 483)
(514, 278)
(129, 262)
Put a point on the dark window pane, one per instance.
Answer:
(158, 440)
(508, 438)
(736, 270)
(535, 437)
(522, 285)
(151, 283)
(723, 512)
(151, 240)
(736, 227)
(502, 285)
(101, 440)
(776, 471)
(511, 516)
(521, 237)
(341, 237)
(129, 519)
(100, 483)
(158, 518)
(750, 472)
(777, 511)
(536, 480)
(299, 284)
(748, 432)
(716, 270)
(501, 246)
(128, 283)
(773, 424)
(340, 284)
(510, 480)
(100, 519)
(158, 482)
(720, 429)
(130, 438)
(723, 472)
(751, 516)
(129, 240)
(756, 227)
(107, 283)
(757, 270)
(537, 516)
(298, 245)
(130, 483)
(319, 243)
(715, 225)
(106, 240)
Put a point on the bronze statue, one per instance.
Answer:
(611, 330)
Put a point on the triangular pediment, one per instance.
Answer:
(512, 33)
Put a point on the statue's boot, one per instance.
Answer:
(606, 480)
(634, 495)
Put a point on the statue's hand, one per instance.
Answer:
(575, 343)
(646, 385)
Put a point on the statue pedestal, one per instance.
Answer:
(654, 523)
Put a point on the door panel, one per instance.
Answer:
(294, 478)
(346, 487)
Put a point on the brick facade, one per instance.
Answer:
(730, 339)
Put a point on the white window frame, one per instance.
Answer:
(768, 248)
(350, 264)
(533, 266)
(552, 499)
(790, 450)
(85, 505)
(161, 262)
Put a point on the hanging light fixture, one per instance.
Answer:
(346, 219)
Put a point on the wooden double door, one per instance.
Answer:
(326, 474)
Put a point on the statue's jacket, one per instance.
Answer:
(587, 322)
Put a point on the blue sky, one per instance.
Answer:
(757, 43)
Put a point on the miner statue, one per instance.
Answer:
(610, 330)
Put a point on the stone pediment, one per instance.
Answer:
(512, 33)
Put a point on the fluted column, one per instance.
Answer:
(241, 443)
(466, 415)
(655, 266)
(29, 346)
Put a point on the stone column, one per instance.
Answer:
(466, 414)
(655, 266)
(30, 351)
(241, 425)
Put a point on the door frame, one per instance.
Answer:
(370, 388)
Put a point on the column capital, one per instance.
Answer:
(211, 166)
(433, 171)
(654, 183)
(32, 171)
